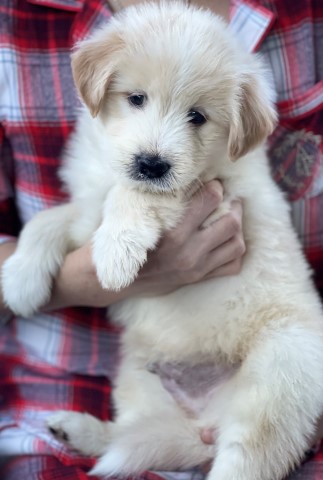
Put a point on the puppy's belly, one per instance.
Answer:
(192, 386)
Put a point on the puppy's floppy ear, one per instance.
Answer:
(255, 117)
(93, 64)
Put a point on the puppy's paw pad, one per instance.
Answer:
(66, 427)
(59, 433)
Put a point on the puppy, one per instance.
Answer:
(172, 102)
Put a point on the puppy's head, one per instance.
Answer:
(174, 92)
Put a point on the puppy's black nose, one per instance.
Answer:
(151, 166)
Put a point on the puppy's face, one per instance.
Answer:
(164, 121)
(174, 94)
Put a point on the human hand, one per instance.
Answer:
(185, 255)
(189, 253)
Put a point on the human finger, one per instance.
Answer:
(222, 230)
(230, 268)
(229, 251)
(202, 204)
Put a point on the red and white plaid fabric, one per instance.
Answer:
(65, 359)
(289, 35)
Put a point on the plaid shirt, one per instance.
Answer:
(64, 360)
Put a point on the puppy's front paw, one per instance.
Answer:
(117, 261)
(25, 286)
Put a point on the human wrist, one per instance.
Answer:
(6, 250)
(77, 285)
(73, 283)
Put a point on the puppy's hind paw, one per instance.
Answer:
(65, 426)
(80, 431)
(59, 433)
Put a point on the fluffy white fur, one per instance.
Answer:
(264, 324)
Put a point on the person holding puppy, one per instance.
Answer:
(69, 353)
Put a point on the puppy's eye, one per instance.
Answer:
(196, 117)
(137, 100)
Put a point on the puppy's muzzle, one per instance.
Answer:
(149, 167)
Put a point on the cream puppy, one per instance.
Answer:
(173, 101)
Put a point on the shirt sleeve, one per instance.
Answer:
(9, 218)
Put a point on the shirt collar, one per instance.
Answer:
(250, 22)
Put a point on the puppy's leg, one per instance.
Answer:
(81, 431)
(130, 227)
(165, 441)
(151, 430)
(27, 274)
(271, 418)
